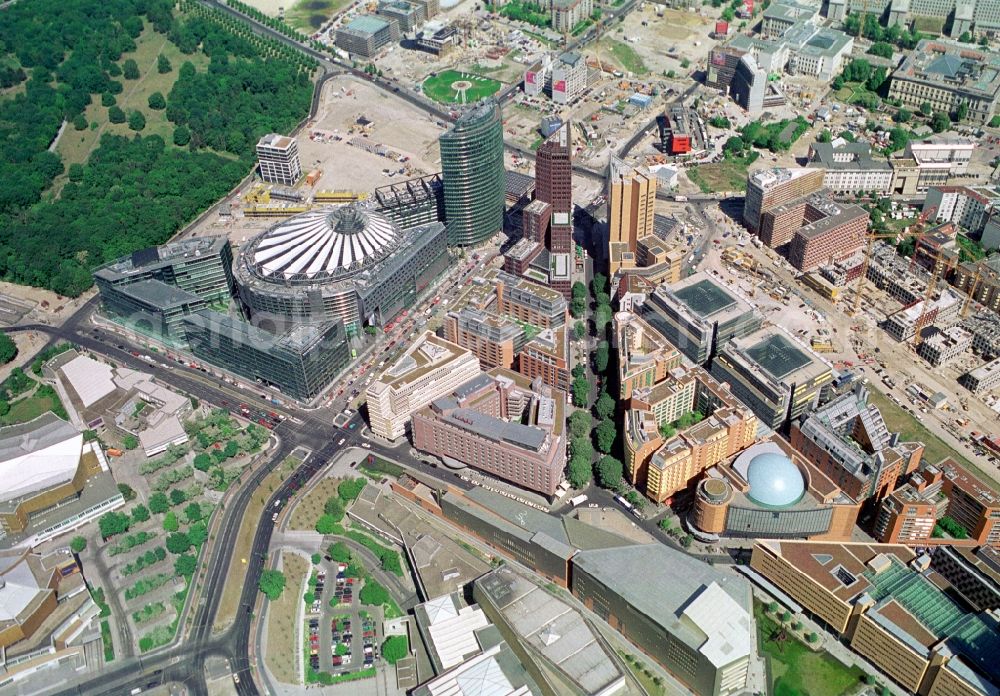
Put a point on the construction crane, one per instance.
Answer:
(936, 271)
(916, 231)
(971, 290)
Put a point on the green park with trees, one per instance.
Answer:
(132, 191)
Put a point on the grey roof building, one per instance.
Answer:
(946, 74)
(772, 374)
(151, 290)
(548, 630)
(850, 167)
(694, 620)
(367, 35)
(699, 316)
(199, 265)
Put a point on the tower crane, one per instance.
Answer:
(916, 231)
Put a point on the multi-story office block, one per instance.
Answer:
(749, 85)
(300, 362)
(152, 307)
(981, 280)
(834, 232)
(850, 168)
(911, 176)
(519, 258)
(563, 77)
(911, 321)
(982, 379)
(674, 404)
(367, 35)
(567, 14)
(722, 63)
(473, 172)
(554, 186)
(494, 339)
(199, 265)
(778, 379)
(945, 346)
(951, 152)
(498, 423)
(985, 332)
(685, 456)
(972, 503)
(644, 356)
(881, 601)
(966, 206)
(849, 442)
(979, 17)
(410, 16)
(413, 202)
(699, 316)
(535, 220)
(973, 573)
(278, 159)
(547, 357)
(681, 131)
(153, 289)
(768, 188)
(946, 75)
(429, 369)
(631, 206)
(527, 301)
(909, 513)
(782, 16)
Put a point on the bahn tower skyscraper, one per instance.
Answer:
(474, 176)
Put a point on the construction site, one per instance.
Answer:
(361, 138)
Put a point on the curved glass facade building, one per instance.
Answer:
(350, 263)
(473, 172)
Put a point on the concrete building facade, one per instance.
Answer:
(278, 159)
(500, 424)
(429, 369)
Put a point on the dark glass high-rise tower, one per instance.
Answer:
(474, 177)
(554, 185)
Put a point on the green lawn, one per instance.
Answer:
(798, 670)
(75, 146)
(727, 175)
(310, 15)
(439, 87)
(851, 92)
(910, 429)
(626, 56)
(31, 407)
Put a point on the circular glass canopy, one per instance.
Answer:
(321, 244)
(774, 480)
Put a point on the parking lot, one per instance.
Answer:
(342, 636)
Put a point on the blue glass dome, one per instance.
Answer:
(774, 480)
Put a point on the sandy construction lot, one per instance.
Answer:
(396, 124)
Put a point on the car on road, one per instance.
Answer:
(341, 442)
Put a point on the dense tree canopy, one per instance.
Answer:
(272, 583)
(134, 192)
(8, 349)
